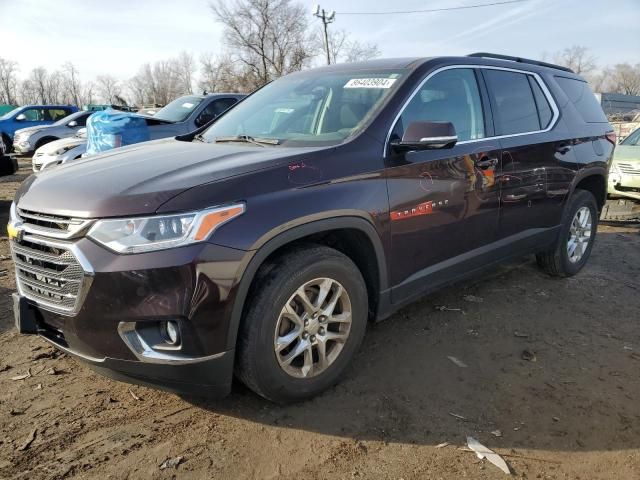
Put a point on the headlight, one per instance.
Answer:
(144, 234)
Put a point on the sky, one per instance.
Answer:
(117, 36)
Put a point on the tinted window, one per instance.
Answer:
(214, 109)
(55, 114)
(449, 96)
(544, 109)
(583, 99)
(515, 108)
(34, 114)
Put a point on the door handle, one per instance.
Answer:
(485, 163)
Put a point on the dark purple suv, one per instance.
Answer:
(262, 244)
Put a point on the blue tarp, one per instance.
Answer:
(112, 128)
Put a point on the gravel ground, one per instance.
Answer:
(551, 383)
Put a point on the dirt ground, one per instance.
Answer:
(570, 412)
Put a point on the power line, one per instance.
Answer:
(462, 7)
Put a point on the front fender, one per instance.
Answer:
(291, 232)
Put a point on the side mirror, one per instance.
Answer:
(427, 136)
(21, 118)
(72, 124)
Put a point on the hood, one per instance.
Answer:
(626, 153)
(31, 129)
(138, 179)
(51, 147)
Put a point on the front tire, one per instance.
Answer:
(575, 241)
(304, 324)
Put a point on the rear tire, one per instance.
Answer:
(290, 350)
(576, 237)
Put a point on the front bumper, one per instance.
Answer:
(114, 329)
(22, 148)
(624, 181)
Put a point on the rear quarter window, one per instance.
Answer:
(583, 99)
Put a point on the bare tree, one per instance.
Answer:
(8, 81)
(108, 88)
(267, 37)
(72, 84)
(624, 78)
(185, 67)
(39, 82)
(344, 49)
(577, 58)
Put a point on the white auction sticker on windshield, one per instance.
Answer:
(370, 83)
(187, 105)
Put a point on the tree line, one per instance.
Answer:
(263, 40)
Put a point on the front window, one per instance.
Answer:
(310, 108)
(179, 109)
(448, 96)
(633, 139)
(34, 114)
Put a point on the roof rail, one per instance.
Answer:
(520, 60)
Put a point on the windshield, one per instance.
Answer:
(179, 109)
(10, 113)
(308, 109)
(633, 139)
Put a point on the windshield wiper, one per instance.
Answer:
(248, 139)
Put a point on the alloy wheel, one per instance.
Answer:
(312, 328)
(579, 234)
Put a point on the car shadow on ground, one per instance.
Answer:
(550, 364)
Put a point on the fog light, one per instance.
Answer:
(171, 332)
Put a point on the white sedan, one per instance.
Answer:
(60, 151)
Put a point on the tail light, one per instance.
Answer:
(612, 137)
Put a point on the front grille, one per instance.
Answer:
(51, 225)
(50, 275)
(629, 169)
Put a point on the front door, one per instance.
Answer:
(444, 203)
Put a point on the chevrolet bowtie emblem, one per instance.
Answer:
(14, 232)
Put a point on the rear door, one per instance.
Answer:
(533, 151)
(444, 203)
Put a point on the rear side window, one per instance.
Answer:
(515, 109)
(583, 99)
(542, 103)
(55, 114)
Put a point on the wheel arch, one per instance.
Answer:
(333, 232)
(593, 180)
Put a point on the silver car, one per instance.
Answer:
(27, 140)
(60, 151)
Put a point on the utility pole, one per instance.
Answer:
(326, 18)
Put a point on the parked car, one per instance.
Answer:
(27, 140)
(8, 164)
(60, 151)
(179, 117)
(624, 174)
(263, 243)
(30, 116)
